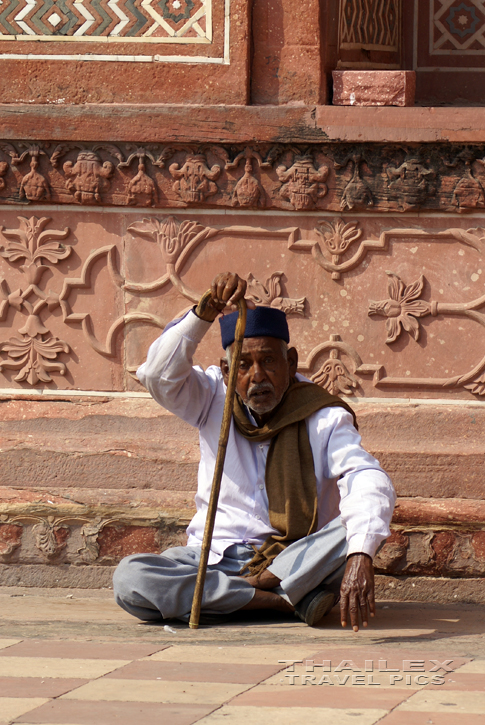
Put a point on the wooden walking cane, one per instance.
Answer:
(219, 467)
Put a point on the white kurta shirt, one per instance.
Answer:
(349, 480)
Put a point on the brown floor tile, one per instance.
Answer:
(195, 672)
(36, 686)
(431, 718)
(80, 650)
(461, 681)
(118, 713)
(308, 696)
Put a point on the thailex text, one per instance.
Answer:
(411, 673)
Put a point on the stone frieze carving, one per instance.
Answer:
(411, 184)
(194, 180)
(49, 538)
(326, 176)
(302, 184)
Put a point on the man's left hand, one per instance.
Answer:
(357, 591)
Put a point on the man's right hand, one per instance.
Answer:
(227, 289)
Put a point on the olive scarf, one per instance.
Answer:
(290, 475)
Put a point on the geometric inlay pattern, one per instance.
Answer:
(156, 21)
(458, 27)
(370, 24)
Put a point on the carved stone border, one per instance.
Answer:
(331, 177)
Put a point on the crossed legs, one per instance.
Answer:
(161, 586)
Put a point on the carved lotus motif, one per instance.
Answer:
(402, 308)
(338, 236)
(171, 235)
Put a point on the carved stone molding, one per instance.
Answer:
(340, 237)
(326, 176)
(84, 540)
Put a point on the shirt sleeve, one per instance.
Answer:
(168, 374)
(367, 496)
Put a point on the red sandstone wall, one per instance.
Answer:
(133, 170)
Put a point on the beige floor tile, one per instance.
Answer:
(291, 715)
(447, 701)
(255, 655)
(8, 642)
(12, 707)
(194, 693)
(56, 667)
(475, 667)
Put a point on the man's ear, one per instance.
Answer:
(292, 361)
(224, 369)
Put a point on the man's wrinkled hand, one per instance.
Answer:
(227, 289)
(357, 591)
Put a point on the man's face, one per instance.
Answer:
(264, 373)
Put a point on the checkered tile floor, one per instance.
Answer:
(87, 683)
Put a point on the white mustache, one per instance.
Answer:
(260, 388)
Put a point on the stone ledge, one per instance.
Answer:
(159, 123)
(46, 577)
(439, 590)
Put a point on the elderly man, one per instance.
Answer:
(303, 507)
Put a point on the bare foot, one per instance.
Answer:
(265, 580)
(269, 600)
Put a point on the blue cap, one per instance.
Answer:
(261, 322)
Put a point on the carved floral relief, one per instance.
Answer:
(39, 310)
(403, 307)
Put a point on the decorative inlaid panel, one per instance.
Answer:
(369, 33)
(458, 27)
(160, 21)
(371, 24)
(449, 34)
(116, 30)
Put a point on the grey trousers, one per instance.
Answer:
(161, 586)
